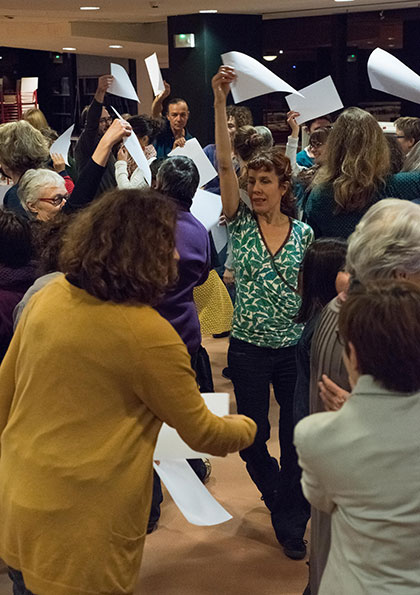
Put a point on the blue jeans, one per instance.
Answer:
(253, 369)
(19, 587)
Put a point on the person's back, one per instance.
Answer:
(355, 175)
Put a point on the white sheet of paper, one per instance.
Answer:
(194, 151)
(387, 73)
(29, 84)
(252, 78)
(133, 146)
(192, 498)
(171, 446)
(155, 75)
(207, 208)
(62, 144)
(122, 85)
(317, 99)
(220, 236)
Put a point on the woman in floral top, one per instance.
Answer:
(268, 247)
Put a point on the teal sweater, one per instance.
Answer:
(320, 208)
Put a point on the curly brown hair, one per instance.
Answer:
(274, 160)
(121, 248)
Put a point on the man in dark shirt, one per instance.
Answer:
(97, 122)
(175, 132)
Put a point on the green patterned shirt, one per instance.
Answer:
(265, 300)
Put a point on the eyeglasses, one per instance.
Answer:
(316, 145)
(55, 201)
(105, 120)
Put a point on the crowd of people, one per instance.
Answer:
(97, 277)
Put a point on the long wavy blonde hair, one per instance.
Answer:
(357, 160)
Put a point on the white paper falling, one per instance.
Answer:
(252, 78)
(133, 146)
(192, 498)
(171, 446)
(220, 236)
(317, 100)
(155, 75)
(194, 151)
(62, 144)
(387, 73)
(122, 85)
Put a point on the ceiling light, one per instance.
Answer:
(115, 47)
(270, 58)
(391, 38)
(343, 0)
(391, 45)
(69, 49)
(90, 8)
(281, 52)
(209, 11)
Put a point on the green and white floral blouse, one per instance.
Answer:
(266, 297)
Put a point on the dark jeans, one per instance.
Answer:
(19, 587)
(200, 363)
(252, 370)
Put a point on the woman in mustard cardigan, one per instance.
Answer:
(91, 373)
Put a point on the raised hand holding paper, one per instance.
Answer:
(133, 146)
(194, 151)
(155, 74)
(387, 73)
(316, 100)
(192, 498)
(62, 144)
(121, 84)
(252, 78)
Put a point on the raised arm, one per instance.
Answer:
(90, 176)
(229, 188)
(157, 105)
(292, 142)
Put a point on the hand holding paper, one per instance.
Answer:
(192, 149)
(252, 78)
(134, 148)
(62, 144)
(388, 74)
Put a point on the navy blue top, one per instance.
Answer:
(320, 210)
(165, 141)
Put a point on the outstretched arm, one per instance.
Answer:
(229, 187)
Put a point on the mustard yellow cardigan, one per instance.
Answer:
(84, 388)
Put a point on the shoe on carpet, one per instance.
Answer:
(294, 548)
(226, 373)
(208, 470)
(152, 526)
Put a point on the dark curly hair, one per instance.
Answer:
(274, 160)
(121, 248)
(241, 114)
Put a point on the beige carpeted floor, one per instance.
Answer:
(240, 556)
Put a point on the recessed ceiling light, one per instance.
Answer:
(281, 52)
(391, 45)
(343, 0)
(270, 58)
(90, 8)
(210, 10)
(391, 38)
(69, 49)
(115, 47)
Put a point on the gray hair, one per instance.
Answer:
(34, 182)
(267, 136)
(22, 147)
(386, 241)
